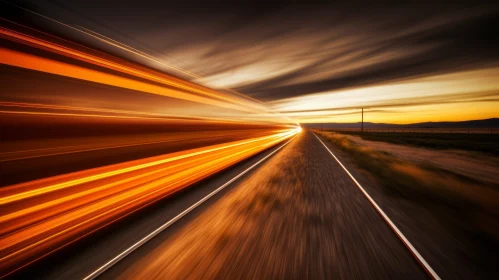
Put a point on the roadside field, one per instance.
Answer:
(485, 143)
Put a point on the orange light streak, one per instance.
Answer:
(40, 216)
(127, 69)
(86, 109)
(130, 49)
(23, 60)
(122, 142)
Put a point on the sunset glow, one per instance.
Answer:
(160, 139)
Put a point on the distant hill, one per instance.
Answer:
(487, 123)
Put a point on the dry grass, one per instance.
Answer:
(485, 143)
(428, 185)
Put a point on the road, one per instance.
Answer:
(297, 215)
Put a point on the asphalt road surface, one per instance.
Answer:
(295, 216)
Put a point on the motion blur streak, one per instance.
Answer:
(19, 59)
(182, 89)
(40, 216)
(89, 138)
(132, 50)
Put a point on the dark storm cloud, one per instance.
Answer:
(452, 46)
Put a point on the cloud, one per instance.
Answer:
(289, 54)
(464, 86)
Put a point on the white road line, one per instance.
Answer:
(406, 242)
(141, 242)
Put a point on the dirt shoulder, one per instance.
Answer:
(478, 166)
(447, 201)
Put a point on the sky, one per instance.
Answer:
(403, 63)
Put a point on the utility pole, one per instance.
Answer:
(321, 126)
(362, 124)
